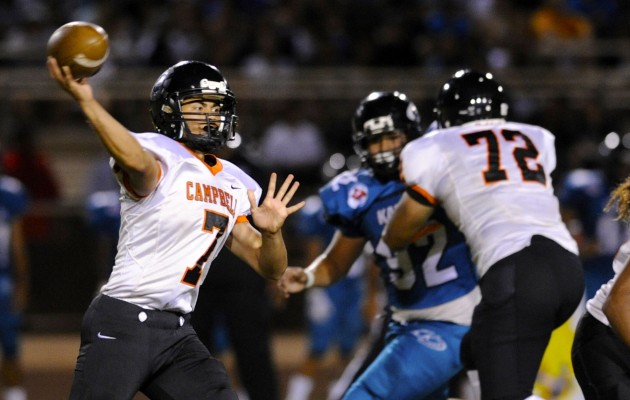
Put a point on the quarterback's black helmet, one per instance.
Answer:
(383, 113)
(193, 79)
(468, 96)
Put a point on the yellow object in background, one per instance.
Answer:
(556, 380)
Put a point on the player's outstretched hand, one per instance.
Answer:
(292, 281)
(273, 211)
(77, 88)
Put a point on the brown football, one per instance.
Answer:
(82, 46)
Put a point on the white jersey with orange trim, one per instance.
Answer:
(493, 179)
(595, 305)
(169, 238)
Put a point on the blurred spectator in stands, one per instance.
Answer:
(14, 283)
(294, 143)
(561, 33)
(604, 15)
(554, 20)
(504, 40)
(271, 51)
(435, 33)
(28, 27)
(181, 35)
(447, 36)
(23, 160)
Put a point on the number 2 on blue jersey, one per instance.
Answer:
(432, 243)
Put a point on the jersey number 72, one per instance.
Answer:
(495, 171)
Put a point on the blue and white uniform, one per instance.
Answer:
(13, 205)
(431, 296)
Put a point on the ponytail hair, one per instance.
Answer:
(620, 199)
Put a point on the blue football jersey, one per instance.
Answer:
(310, 221)
(359, 205)
(13, 204)
(103, 212)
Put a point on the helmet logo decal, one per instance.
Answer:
(357, 196)
(379, 125)
(167, 109)
(213, 86)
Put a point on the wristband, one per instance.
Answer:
(310, 278)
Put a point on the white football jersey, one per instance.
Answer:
(493, 179)
(596, 304)
(169, 238)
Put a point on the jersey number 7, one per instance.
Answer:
(215, 224)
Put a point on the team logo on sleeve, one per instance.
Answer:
(357, 195)
(430, 339)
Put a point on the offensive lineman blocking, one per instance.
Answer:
(493, 179)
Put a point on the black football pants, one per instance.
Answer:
(126, 349)
(601, 361)
(525, 296)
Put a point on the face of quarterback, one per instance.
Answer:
(201, 112)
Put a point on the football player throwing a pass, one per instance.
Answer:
(179, 206)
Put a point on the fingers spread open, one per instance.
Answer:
(272, 185)
(289, 195)
(296, 207)
(284, 187)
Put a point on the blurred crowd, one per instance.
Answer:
(256, 34)
(257, 38)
